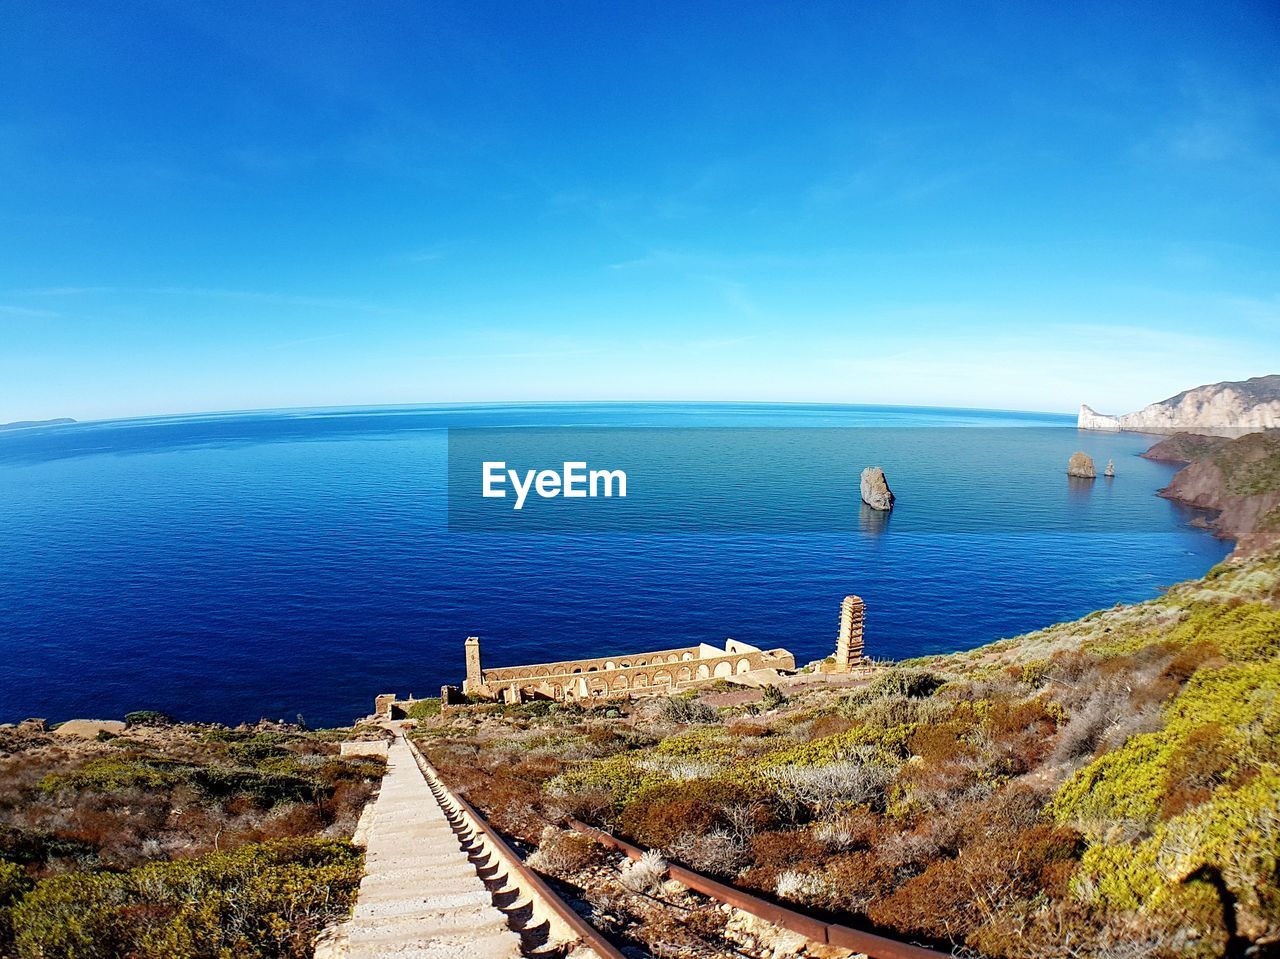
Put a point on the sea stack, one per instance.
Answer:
(875, 489)
(1110, 470)
(1081, 466)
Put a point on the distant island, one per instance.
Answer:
(1241, 406)
(31, 424)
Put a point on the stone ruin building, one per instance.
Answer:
(658, 673)
(661, 673)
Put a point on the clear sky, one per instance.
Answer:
(223, 205)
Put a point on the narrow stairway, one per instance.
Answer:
(421, 897)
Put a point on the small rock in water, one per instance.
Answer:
(1111, 468)
(875, 489)
(1081, 465)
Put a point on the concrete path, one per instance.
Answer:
(421, 897)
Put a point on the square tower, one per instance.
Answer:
(849, 641)
(475, 675)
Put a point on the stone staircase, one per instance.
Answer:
(421, 897)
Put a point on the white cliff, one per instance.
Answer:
(1246, 406)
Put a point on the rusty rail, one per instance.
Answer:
(572, 927)
(815, 930)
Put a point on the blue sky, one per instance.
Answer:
(224, 205)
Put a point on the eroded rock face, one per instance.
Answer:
(1090, 419)
(1081, 465)
(875, 489)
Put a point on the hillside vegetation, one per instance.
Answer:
(1108, 787)
(176, 841)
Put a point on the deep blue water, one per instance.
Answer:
(229, 567)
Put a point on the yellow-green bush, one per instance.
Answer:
(890, 747)
(261, 900)
(619, 775)
(1249, 632)
(1130, 782)
(1236, 834)
(13, 886)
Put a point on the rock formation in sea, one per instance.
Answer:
(1239, 478)
(875, 489)
(1244, 406)
(1111, 468)
(1081, 466)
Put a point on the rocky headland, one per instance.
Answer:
(1239, 479)
(1243, 406)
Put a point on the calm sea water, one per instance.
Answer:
(231, 567)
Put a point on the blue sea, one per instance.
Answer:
(280, 564)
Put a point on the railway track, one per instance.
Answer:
(550, 927)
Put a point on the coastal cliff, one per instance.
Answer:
(1247, 405)
(1239, 479)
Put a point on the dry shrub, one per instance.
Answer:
(1022, 734)
(953, 897)
(562, 853)
(1190, 658)
(716, 853)
(644, 875)
(858, 878)
(825, 726)
(746, 728)
(942, 742)
(779, 849)
(292, 821)
(806, 790)
(803, 887)
(849, 830)
(1198, 765)
(661, 813)
(592, 806)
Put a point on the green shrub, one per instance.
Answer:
(914, 683)
(686, 709)
(14, 884)
(261, 900)
(31, 846)
(424, 709)
(148, 717)
(110, 774)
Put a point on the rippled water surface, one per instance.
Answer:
(275, 564)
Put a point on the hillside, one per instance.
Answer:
(170, 841)
(1251, 404)
(1103, 788)
(1237, 478)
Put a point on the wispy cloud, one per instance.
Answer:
(25, 312)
